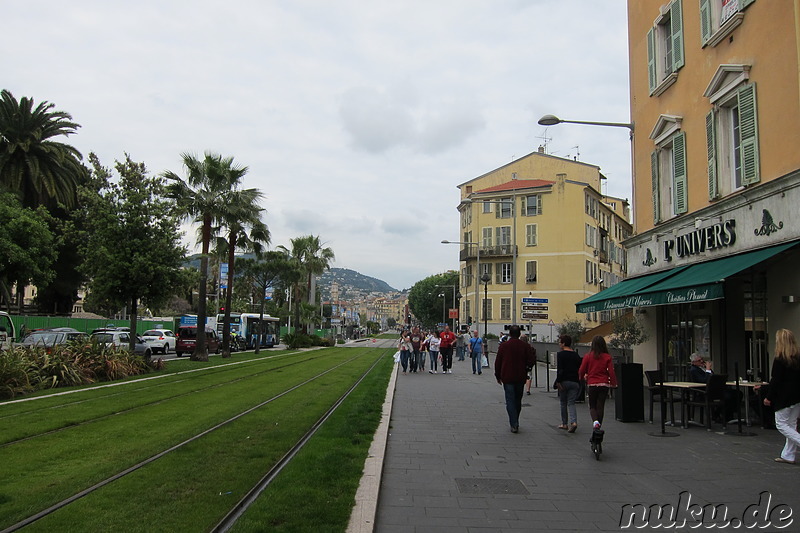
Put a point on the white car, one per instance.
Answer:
(160, 340)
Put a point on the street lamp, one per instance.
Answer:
(477, 270)
(485, 278)
(454, 287)
(444, 304)
(552, 120)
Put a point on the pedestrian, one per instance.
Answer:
(433, 351)
(405, 350)
(567, 383)
(597, 370)
(416, 338)
(475, 352)
(511, 366)
(784, 393)
(446, 341)
(462, 340)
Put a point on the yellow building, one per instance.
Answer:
(715, 98)
(545, 237)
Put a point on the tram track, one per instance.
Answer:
(242, 505)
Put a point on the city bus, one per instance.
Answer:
(246, 326)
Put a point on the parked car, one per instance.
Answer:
(160, 340)
(52, 337)
(121, 338)
(187, 338)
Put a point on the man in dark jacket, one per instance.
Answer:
(514, 359)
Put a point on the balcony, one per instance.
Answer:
(501, 250)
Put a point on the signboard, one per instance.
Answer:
(551, 324)
(534, 308)
(189, 320)
(268, 293)
(223, 275)
(535, 316)
(453, 313)
(535, 300)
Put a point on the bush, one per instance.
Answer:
(339, 341)
(490, 336)
(24, 370)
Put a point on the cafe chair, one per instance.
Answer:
(654, 380)
(712, 397)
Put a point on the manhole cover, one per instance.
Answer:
(490, 486)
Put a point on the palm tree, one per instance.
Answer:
(313, 259)
(201, 198)
(247, 232)
(39, 170)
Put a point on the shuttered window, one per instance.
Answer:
(531, 235)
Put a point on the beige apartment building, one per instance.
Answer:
(715, 99)
(537, 235)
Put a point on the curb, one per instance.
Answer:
(362, 517)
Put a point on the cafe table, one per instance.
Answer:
(683, 387)
(748, 385)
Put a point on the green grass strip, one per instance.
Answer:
(191, 489)
(40, 472)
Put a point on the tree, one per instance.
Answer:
(39, 170)
(27, 245)
(199, 199)
(573, 327)
(424, 300)
(245, 231)
(311, 259)
(265, 271)
(132, 252)
(628, 332)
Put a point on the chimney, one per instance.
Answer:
(541, 148)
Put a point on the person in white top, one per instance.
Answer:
(433, 350)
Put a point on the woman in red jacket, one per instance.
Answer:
(597, 370)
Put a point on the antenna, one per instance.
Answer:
(546, 140)
(578, 156)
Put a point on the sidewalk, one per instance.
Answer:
(452, 464)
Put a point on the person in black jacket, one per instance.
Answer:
(784, 393)
(567, 364)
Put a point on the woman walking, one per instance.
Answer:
(784, 393)
(405, 350)
(568, 363)
(597, 370)
(433, 351)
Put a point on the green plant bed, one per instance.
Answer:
(191, 489)
(43, 470)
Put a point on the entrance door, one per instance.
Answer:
(755, 327)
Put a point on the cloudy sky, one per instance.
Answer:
(356, 119)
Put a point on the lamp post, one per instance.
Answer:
(477, 271)
(485, 279)
(444, 305)
(552, 120)
(454, 287)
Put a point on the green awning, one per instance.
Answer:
(684, 284)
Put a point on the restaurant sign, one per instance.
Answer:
(719, 235)
(673, 296)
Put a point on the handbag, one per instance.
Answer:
(397, 356)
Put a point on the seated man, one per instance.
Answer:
(699, 372)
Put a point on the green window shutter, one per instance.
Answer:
(744, 3)
(530, 235)
(524, 206)
(711, 144)
(676, 33)
(538, 204)
(652, 79)
(705, 21)
(748, 133)
(679, 169)
(656, 195)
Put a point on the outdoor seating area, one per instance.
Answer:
(717, 402)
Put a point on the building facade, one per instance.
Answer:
(537, 235)
(715, 98)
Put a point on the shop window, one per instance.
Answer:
(665, 48)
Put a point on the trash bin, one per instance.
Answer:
(629, 397)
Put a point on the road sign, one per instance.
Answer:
(453, 313)
(535, 316)
(551, 324)
(534, 308)
(535, 300)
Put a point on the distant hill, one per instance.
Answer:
(351, 284)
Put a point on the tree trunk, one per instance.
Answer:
(200, 351)
(226, 327)
(132, 334)
(260, 320)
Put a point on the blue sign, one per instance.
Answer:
(188, 320)
(535, 300)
